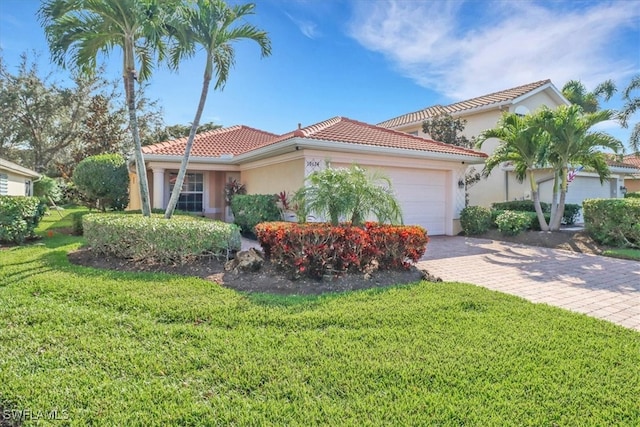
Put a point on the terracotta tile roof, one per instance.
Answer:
(481, 101)
(633, 160)
(341, 129)
(232, 140)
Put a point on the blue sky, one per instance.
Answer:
(372, 60)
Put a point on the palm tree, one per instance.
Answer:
(522, 143)
(214, 26)
(349, 194)
(573, 143)
(631, 106)
(78, 30)
(576, 93)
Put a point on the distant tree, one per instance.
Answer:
(104, 181)
(168, 133)
(41, 118)
(445, 128)
(78, 30)
(576, 93)
(632, 106)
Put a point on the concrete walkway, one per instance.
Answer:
(598, 286)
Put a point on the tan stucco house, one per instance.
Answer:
(483, 113)
(426, 175)
(16, 180)
(632, 181)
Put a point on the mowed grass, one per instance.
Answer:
(623, 253)
(115, 349)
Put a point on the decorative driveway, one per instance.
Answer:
(598, 286)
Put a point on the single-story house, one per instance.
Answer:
(426, 175)
(483, 113)
(16, 180)
(632, 182)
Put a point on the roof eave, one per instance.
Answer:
(298, 143)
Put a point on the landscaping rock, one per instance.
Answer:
(251, 260)
(429, 277)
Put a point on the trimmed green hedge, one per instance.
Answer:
(19, 217)
(156, 239)
(635, 195)
(614, 222)
(571, 210)
(251, 209)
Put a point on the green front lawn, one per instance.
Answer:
(108, 348)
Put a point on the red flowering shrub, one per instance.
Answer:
(317, 250)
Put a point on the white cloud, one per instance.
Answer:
(308, 28)
(468, 49)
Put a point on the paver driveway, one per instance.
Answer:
(598, 286)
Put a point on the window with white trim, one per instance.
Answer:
(191, 196)
(27, 188)
(4, 184)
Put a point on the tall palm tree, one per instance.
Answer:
(631, 106)
(79, 30)
(214, 26)
(576, 93)
(522, 143)
(573, 143)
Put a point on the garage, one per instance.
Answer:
(421, 193)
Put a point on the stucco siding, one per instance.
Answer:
(285, 175)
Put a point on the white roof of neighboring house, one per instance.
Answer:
(17, 169)
(492, 100)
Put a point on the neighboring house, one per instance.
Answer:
(632, 182)
(483, 113)
(426, 175)
(16, 180)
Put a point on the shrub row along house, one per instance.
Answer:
(428, 176)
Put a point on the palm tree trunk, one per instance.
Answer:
(175, 194)
(141, 169)
(554, 198)
(536, 203)
(556, 220)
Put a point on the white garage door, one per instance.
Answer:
(422, 196)
(585, 187)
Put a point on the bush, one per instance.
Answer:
(613, 222)
(571, 212)
(520, 206)
(475, 220)
(323, 250)
(156, 239)
(19, 217)
(252, 209)
(47, 189)
(635, 195)
(513, 222)
(104, 181)
(77, 217)
(348, 194)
